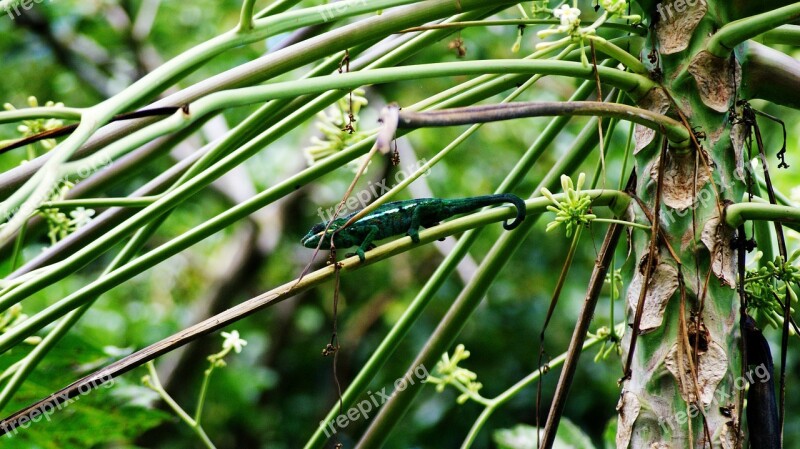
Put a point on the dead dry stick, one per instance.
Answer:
(579, 334)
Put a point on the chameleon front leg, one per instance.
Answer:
(367, 243)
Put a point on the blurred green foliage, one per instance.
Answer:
(277, 390)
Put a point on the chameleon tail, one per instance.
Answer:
(520, 205)
(460, 206)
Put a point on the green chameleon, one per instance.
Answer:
(404, 217)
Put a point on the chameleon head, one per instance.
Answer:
(312, 238)
(341, 239)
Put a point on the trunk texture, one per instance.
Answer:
(686, 380)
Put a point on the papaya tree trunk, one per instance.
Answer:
(685, 383)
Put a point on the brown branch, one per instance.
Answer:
(650, 265)
(674, 130)
(581, 328)
(122, 366)
(68, 129)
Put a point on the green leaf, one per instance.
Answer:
(113, 414)
(98, 417)
(523, 436)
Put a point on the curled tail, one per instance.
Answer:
(519, 204)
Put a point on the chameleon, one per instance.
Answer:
(404, 217)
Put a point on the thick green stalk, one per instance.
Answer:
(734, 33)
(783, 35)
(63, 112)
(100, 202)
(516, 22)
(737, 214)
(633, 84)
(246, 17)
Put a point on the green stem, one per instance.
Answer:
(485, 23)
(763, 234)
(600, 168)
(625, 58)
(737, 214)
(623, 222)
(736, 32)
(64, 113)
(18, 243)
(155, 384)
(201, 397)
(475, 396)
(143, 201)
(628, 147)
(276, 7)
(246, 17)
(783, 35)
(635, 85)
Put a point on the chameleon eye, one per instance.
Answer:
(319, 227)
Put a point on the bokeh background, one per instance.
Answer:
(276, 391)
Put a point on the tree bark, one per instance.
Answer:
(685, 382)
